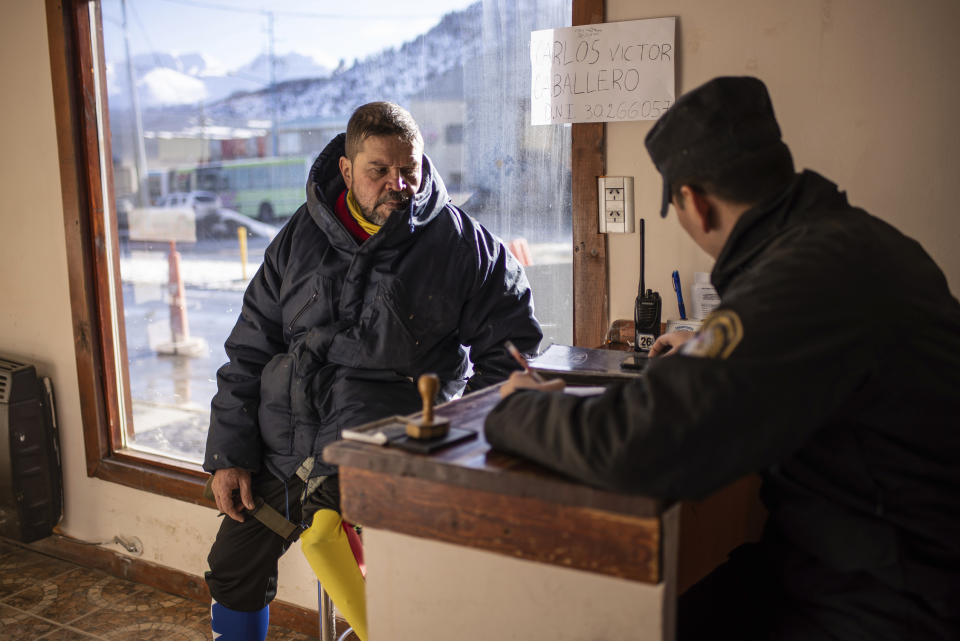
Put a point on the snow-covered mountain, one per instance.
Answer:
(396, 74)
(165, 79)
(170, 83)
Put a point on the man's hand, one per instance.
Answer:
(225, 483)
(522, 380)
(670, 343)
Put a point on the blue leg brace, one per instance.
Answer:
(233, 625)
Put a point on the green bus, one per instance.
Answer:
(268, 189)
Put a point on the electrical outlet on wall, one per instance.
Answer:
(616, 204)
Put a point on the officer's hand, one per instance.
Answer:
(670, 343)
(522, 380)
(226, 483)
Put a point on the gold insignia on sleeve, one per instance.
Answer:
(720, 334)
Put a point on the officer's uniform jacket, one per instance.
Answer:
(832, 367)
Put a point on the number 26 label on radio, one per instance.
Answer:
(645, 341)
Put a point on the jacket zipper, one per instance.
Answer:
(306, 305)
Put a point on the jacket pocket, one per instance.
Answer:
(313, 307)
(276, 416)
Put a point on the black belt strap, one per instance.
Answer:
(264, 513)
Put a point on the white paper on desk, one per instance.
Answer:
(379, 432)
(585, 390)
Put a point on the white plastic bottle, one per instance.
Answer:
(705, 298)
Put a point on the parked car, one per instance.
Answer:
(206, 207)
(203, 203)
(213, 220)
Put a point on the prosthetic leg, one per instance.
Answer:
(233, 625)
(327, 549)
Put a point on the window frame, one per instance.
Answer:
(74, 68)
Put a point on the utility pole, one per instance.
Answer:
(274, 127)
(204, 143)
(139, 153)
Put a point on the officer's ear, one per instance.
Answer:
(698, 208)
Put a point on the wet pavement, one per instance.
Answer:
(171, 393)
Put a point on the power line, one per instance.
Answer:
(146, 36)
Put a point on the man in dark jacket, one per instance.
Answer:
(832, 367)
(374, 281)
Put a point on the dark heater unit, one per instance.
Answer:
(31, 492)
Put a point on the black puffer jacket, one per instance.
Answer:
(334, 333)
(843, 390)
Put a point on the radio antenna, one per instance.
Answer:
(643, 257)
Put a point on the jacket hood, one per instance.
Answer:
(809, 193)
(325, 184)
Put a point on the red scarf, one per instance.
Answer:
(343, 213)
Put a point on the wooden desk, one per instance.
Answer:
(469, 544)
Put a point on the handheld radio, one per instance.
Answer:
(646, 311)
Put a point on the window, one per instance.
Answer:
(147, 363)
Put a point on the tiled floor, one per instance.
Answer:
(42, 598)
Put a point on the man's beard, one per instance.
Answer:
(376, 215)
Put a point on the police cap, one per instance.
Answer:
(722, 123)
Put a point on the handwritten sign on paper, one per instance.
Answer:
(603, 72)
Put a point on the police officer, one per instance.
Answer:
(832, 368)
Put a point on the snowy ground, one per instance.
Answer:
(153, 268)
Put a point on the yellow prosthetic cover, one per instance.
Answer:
(328, 552)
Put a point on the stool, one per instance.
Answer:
(327, 619)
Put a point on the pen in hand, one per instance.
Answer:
(523, 362)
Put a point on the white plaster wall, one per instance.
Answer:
(433, 591)
(865, 92)
(35, 323)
